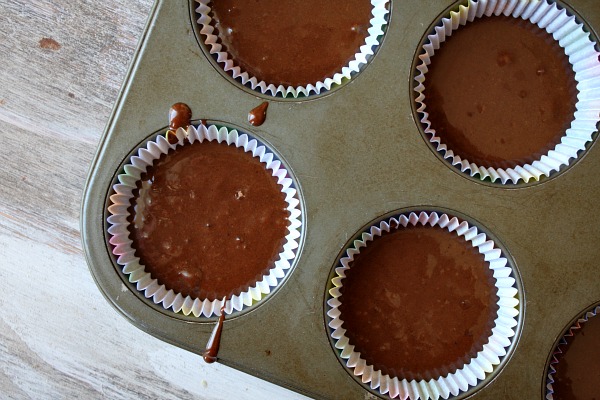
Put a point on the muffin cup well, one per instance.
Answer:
(479, 367)
(562, 342)
(132, 266)
(580, 48)
(358, 62)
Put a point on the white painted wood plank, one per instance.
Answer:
(68, 88)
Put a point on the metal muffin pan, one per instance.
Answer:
(357, 154)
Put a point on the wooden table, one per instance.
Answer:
(61, 67)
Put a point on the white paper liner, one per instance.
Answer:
(132, 267)
(583, 57)
(563, 341)
(477, 368)
(376, 30)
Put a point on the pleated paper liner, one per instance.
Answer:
(486, 361)
(580, 48)
(360, 59)
(558, 351)
(133, 267)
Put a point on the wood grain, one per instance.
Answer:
(61, 67)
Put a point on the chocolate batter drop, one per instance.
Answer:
(214, 342)
(180, 116)
(257, 115)
(418, 302)
(500, 92)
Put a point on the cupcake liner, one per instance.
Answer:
(578, 45)
(132, 266)
(478, 367)
(562, 342)
(215, 49)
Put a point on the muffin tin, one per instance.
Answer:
(358, 156)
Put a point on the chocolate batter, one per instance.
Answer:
(214, 342)
(292, 42)
(257, 116)
(578, 370)
(209, 220)
(500, 92)
(418, 302)
(180, 115)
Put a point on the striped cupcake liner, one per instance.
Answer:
(133, 267)
(480, 367)
(359, 61)
(580, 48)
(563, 342)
